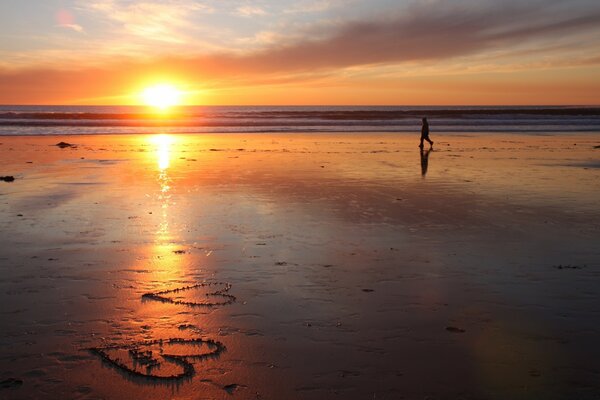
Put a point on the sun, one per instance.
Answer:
(162, 96)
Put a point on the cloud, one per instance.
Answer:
(418, 31)
(317, 6)
(427, 32)
(65, 19)
(250, 11)
(74, 27)
(163, 21)
(462, 35)
(438, 30)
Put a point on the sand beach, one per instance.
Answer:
(300, 266)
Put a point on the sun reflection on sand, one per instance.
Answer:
(163, 153)
(165, 242)
(163, 148)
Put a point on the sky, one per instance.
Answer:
(284, 52)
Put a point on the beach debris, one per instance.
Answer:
(281, 263)
(368, 290)
(597, 147)
(11, 383)
(63, 145)
(569, 266)
(19, 215)
(7, 178)
(454, 329)
(231, 388)
(179, 251)
(220, 293)
(143, 361)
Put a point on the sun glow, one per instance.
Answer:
(162, 96)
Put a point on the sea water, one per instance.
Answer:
(65, 120)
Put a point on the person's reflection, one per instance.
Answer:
(424, 160)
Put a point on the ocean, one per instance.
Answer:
(70, 120)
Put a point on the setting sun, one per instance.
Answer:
(161, 96)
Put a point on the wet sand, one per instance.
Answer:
(316, 266)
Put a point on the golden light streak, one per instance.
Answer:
(163, 150)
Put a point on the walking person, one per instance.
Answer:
(425, 133)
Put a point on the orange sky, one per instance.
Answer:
(301, 52)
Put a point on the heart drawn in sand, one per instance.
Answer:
(160, 360)
(170, 296)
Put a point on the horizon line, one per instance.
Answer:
(305, 105)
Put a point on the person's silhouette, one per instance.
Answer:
(424, 160)
(425, 133)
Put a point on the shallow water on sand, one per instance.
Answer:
(311, 267)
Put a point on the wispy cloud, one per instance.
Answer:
(74, 27)
(437, 30)
(65, 19)
(250, 11)
(424, 37)
(405, 32)
(317, 6)
(162, 21)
